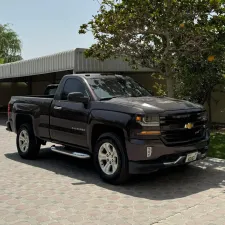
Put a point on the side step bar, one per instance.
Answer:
(62, 150)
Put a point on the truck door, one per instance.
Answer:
(68, 120)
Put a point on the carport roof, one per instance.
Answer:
(67, 60)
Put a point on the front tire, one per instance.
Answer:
(27, 145)
(110, 159)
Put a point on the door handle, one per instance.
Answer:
(57, 107)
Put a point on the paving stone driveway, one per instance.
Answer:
(56, 189)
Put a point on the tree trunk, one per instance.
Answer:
(210, 109)
(170, 91)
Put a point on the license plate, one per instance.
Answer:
(191, 157)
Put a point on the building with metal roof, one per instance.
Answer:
(73, 60)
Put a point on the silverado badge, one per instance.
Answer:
(189, 126)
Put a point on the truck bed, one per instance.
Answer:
(37, 107)
(39, 100)
(33, 96)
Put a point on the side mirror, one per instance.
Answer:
(77, 97)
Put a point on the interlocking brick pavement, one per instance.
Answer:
(55, 189)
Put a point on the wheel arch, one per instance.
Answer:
(98, 129)
(23, 119)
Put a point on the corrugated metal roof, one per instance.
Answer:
(5, 71)
(83, 64)
(47, 64)
(68, 60)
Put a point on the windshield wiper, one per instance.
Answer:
(109, 98)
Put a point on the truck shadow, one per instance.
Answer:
(172, 183)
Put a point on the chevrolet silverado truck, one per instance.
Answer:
(114, 121)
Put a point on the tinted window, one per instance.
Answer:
(50, 91)
(73, 85)
(114, 86)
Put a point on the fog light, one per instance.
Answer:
(149, 152)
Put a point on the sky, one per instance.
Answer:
(48, 26)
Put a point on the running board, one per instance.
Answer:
(62, 150)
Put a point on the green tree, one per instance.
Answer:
(156, 34)
(197, 79)
(200, 74)
(10, 45)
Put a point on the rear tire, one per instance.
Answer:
(28, 146)
(110, 159)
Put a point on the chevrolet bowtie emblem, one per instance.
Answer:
(189, 126)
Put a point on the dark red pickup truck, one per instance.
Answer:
(113, 120)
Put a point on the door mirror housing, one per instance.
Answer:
(77, 97)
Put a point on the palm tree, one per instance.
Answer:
(10, 45)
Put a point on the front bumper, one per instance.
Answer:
(144, 167)
(161, 156)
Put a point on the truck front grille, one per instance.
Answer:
(182, 128)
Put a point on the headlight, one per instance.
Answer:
(150, 120)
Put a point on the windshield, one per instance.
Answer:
(110, 87)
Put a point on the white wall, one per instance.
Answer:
(146, 80)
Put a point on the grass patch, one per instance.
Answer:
(217, 145)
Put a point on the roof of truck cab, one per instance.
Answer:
(94, 75)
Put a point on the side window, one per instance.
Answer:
(73, 85)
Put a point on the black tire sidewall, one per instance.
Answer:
(33, 148)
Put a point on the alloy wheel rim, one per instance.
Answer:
(24, 141)
(108, 158)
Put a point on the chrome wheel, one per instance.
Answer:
(24, 141)
(108, 158)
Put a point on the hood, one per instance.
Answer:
(156, 104)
